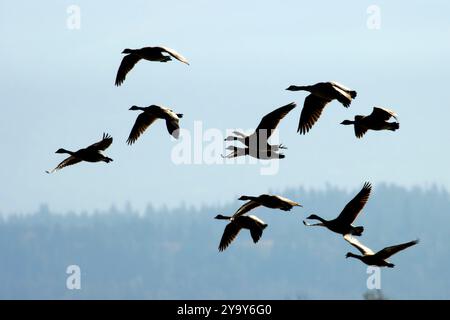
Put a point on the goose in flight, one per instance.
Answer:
(252, 223)
(377, 120)
(320, 95)
(148, 53)
(265, 200)
(257, 141)
(343, 223)
(376, 259)
(264, 154)
(149, 115)
(93, 153)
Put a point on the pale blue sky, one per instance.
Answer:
(58, 91)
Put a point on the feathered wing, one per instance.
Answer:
(102, 144)
(229, 234)
(143, 121)
(289, 201)
(67, 162)
(246, 207)
(312, 109)
(354, 207)
(126, 65)
(383, 114)
(343, 97)
(358, 245)
(389, 251)
(173, 127)
(256, 233)
(360, 131)
(175, 54)
(344, 88)
(271, 120)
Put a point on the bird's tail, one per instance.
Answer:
(394, 126)
(165, 59)
(107, 159)
(357, 231)
(352, 94)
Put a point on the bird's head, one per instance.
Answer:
(347, 122)
(291, 88)
(313, 217)
(348, 255)
(134, 108)
(61, 151)
(243, 198)
(127, 51)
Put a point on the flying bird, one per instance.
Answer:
(93, 153)
(262, 153)
(257, 142)
(343, 223)
(252, 223)
(265, 200)
(149, 115)
(148, 53)
(320, 95)
(377, 120)
(378, 259)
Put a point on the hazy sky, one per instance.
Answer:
(58, 91)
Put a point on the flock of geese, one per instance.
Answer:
(257, 145)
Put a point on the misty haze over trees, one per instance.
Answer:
(172, 254)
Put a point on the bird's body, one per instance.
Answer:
(320, 95)
(149, 115)
(266, 200)
(251, 223)
(343, 223)
(263, 153)
(133, 56)
(379, 258)
(257, 143)
(377, 120)
(93, 153)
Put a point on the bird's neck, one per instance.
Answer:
(222, 217)
(355, 256)
(245, 198)
(67, 151)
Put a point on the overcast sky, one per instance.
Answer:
(58, 91)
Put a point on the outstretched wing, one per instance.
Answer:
(175, 54)
(358, 245)
(126, 65)
(103, 144)
(312, 109)
(173, 126)
(354, 207)
(389, 251)
(360, 131)
(229, 234)
(256, 233)
(271, 120)
(289, 201)
(246, 207)
(67, 162)
(340, 85)
(383, 114)
(143, 121)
